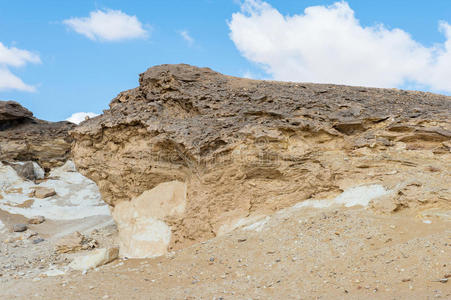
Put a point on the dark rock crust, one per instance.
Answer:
(26, 138)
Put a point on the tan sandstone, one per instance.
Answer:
(245, 149)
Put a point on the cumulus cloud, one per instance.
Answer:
(248, 74)
(187, 37)
(109, 25)
(79, 117)
(327, 44)
(14, 57)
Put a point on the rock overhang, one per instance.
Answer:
(247, 147)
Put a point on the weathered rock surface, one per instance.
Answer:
(26, 138)
(246, 148)
(13, 111)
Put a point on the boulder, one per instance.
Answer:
(95, 259)
(25, 170)
(245, 148)
(28, 170)
(43, 192)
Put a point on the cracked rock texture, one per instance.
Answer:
(246, 148)
(26, 138)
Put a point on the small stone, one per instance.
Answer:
(19, 227)
(38, 240)
(37, 220)
(43, 192)
(30, 234)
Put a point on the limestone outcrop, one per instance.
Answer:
(196, 152)
(26, 138)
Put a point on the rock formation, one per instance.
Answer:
(191, 153)
(26, 138)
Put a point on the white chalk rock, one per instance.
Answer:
(142, 230)
(95, 259)
(65, 195)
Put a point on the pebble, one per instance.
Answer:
(37, 220)
(19, 227)
(38, 240)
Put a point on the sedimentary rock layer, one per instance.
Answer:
(26, 138)
(244, 148)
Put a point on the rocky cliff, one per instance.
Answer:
(26, 138)
(191, 153)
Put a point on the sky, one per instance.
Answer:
(60, 58)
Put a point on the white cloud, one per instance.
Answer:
(327, 44)
(187, 37)
(9, 81)
(14, 57)
(79, 117)
(109, 25)
(248, 74)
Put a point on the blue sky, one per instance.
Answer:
(78, 74)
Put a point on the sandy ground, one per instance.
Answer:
(298, 253)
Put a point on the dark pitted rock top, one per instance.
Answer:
(26, 138)
(198, 106)
(11, 110)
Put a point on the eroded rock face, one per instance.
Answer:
(246, 148)
(25, 138)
